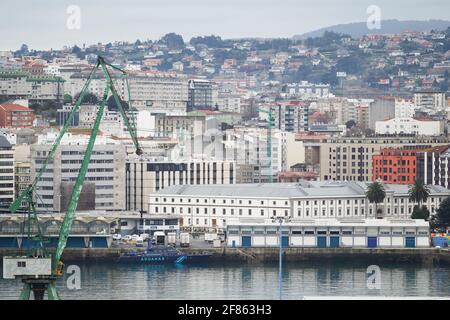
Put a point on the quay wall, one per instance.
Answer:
(427, 256)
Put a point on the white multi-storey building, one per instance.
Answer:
(431, 100)
(229, 102)
(105, 174)
(217, 205)
(6, 172)
(404, 108)
(249, 146)
(159, 93)
(112, 121)
(145, 176)
(409, 126)
(291, 116)
(97, 86)
(22, 85)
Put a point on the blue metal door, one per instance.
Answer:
(75, 242)
(99, 242)
(285, 241)
(410, 242)
(9, 242)
(372, 242)
(334, 242)
(246, 241)
(321, 242)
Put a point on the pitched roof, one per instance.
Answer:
(14, 107)
(289, 190)
(4, 143)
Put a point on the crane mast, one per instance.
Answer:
(47, 283)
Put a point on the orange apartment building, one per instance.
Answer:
(15, 116)
(395, 166)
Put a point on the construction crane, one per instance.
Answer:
(39, 269)
(271, 123)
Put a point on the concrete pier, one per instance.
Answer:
(428, 256)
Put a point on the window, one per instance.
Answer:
(21, 264)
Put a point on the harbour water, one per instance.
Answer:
(113, 281)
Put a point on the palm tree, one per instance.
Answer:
(418, 192)
(376, 193)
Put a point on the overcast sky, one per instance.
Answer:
(42, 23)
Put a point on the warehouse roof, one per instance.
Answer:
(333, 223)
(289, 190)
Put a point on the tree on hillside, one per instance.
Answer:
(173, 41)
(67, 99)
(112, 106)
(211, 41)
(350, 64)
(375, 193)
(89, 98)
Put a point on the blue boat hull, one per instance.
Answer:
(163, 255)
(165, 260)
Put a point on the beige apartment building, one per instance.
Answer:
(350, 158)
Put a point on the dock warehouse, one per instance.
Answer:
(331, 233)
(216, 206)
(87, 231)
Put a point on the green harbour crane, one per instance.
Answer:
(41, 283)
(270, 125)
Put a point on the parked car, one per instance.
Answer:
(117, 236)
(145, 236)
(126, 238)
(139, 242)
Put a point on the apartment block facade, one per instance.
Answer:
(351, 158)
(7, 183)
(15, 116)
(105, 176)
(144, 177)
(393, 166)
(159, 93)
(19, 84)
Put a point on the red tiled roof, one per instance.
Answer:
(14, 107)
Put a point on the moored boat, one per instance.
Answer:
(161, 254)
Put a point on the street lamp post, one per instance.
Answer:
(280, 220)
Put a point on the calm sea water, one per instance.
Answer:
(113, 281)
